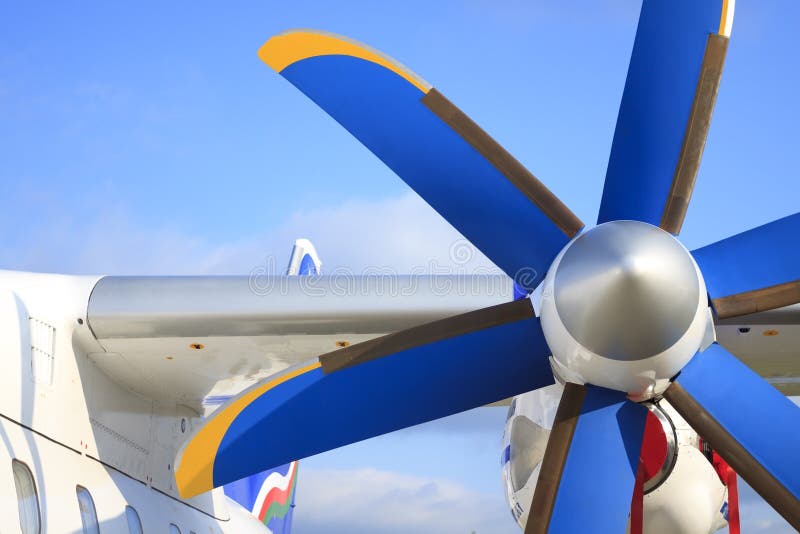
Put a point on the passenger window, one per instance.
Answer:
(173, 529)
(134, 523)
(88, 512)
(27, 500)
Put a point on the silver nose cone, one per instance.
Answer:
(626, 290)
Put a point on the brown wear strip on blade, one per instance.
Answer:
(504, 162)
(759, 300)
(555, 457)
(694, 140)
(427, 333)
(732, 452)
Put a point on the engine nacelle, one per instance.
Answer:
(683, 495)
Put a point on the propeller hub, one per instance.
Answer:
(624, 306)
(626, 290)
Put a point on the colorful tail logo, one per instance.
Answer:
(269, 496)
(276, 497)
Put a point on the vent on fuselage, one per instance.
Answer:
(43, 349)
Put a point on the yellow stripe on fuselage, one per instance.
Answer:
(286, 48)
(195, 473)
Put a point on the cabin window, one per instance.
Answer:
(134, 523)
(88, 512)
(29, 518)
(173, 529)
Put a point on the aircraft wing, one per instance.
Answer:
(769, 343)
(198, 340)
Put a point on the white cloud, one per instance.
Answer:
(378, 502)
(756, 516)
(401, 234)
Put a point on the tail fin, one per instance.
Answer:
(270, 495)
(304, 260)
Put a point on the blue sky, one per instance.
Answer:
(147, 137)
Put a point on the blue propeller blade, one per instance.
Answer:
(463, 175)
(650, 175)
(753, 271)
(307, 410)
(597, 482)
(756, 415)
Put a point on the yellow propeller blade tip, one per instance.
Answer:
(290, 47)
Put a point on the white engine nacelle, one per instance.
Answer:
(684, 496)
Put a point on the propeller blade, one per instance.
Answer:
(590, 463)
(456, 167)
(666, 108)
(748, 422)
(754, 271)
(437, 370)
(425, 334)
(555, 456)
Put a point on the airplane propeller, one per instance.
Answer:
(624, 316)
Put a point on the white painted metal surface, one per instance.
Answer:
(688, 501)
(624, 306)
(81, 427)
